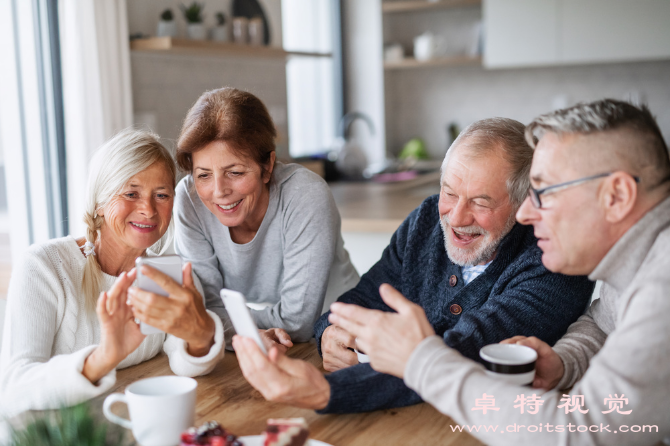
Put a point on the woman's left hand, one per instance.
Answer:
(276, 337)
(181, 314)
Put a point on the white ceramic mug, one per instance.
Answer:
(510, 362)
(362, 357)
(160, 408)
(427, 46)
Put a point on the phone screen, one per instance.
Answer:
(169, 265)
(236, 306)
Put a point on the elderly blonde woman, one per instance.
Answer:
(71, 309)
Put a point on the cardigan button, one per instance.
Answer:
(453, 280)
(455, 309)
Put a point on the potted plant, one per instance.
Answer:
(220, 31)
(193, 15)
(68, 426)
(166, 25)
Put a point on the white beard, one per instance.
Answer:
(483, 250)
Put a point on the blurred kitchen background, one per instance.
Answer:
(367, 93)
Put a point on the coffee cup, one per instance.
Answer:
(160, 408)
(362, 357)
(510, 362)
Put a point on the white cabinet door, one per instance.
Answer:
(520, 32)
(614, 30)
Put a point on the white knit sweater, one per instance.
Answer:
(49, 332)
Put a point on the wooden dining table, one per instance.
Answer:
(225, 396)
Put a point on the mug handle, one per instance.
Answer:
(107, 409)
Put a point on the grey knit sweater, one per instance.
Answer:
(618, 355)
(296, 263)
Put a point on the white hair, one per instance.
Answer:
(506, 135)
(118, 160)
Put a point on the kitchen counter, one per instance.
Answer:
(381, 207)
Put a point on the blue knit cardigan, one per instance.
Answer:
(516, 295)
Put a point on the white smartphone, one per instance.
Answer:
(170, 265)
(236, 306)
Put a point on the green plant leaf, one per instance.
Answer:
(67, 427)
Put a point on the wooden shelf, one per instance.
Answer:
(186, 46)
(419, 5)
(447, 61)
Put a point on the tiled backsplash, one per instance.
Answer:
(422, 102)
(165, 86)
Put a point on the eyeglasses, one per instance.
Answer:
(535, 193)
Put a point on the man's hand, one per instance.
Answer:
(276, 337)
(549, 366)
(335, 344)
(281, 379)
(388, 338)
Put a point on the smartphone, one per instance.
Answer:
(170, 265)
(236, 306)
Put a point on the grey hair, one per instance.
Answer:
(648, 151)
(118, 160)
(506, 135)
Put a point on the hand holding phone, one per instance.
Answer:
(169, 265)
(236, 306)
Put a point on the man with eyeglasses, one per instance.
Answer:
(600, 205)
(463, 258)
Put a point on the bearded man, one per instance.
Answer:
(477, 274)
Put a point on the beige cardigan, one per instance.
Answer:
(621, 346)
(49, 333)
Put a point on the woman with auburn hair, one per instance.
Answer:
(62, 343)
(249, 223)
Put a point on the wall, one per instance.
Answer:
(422, 102)
(3, 303)
(165, 86)
(364, 78)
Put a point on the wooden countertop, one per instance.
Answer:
(381, 207)
(225, 396)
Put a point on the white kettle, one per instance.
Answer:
(351, 160)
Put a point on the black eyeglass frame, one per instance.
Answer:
(536, 193)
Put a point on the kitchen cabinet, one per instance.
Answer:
(614, 30)
(561, 32)
(520, 32)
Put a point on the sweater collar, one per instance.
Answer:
(624, 259)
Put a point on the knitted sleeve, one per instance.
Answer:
(30, 377)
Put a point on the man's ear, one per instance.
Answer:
(618, 196)
(271, 164)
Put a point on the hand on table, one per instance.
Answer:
(549, 366)
(281, 379)
(181, 314)
(387, 338)
(276, 337)
(335, 345)
(119, 334)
